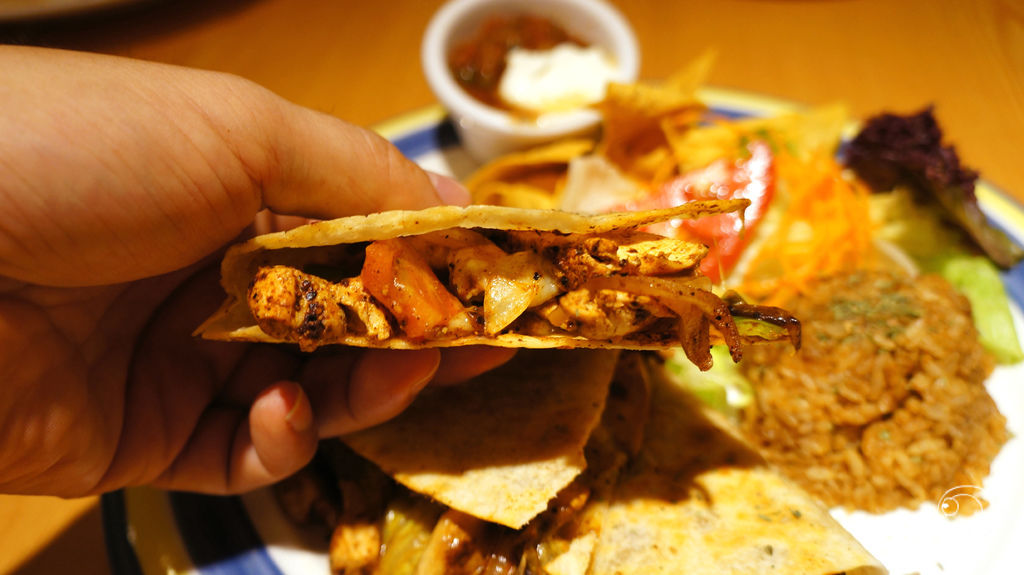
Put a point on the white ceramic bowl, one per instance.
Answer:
(487, 132)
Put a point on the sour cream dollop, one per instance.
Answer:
(562, 78)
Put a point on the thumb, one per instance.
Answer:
(328, 168)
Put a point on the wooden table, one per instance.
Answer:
(359, 60)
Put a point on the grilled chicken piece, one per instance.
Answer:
(630, 253)
(290, 304)
(436, 247)
(364, 491)
(355, 548)
(470, 270)
(603, 314)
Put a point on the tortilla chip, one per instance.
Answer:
(691, 77)
(698, 499)
(516, 195)
(518, 166)
(656, 100)
(576, 560)
(594, 185)
(808, 133)
(503, 445)
(634, 114)
(633, 138)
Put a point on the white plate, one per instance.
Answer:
(153, 532)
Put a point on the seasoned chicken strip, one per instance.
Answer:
(603, 314)
(355, 547)
(292, 305)
(470, 270)
(613, 254)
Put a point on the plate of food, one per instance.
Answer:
(888, 443)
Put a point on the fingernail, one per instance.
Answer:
(450, 191)
(300, 416)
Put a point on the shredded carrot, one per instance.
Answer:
(824, 228)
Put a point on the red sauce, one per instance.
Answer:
(477, 64)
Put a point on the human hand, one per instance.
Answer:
(120, 183)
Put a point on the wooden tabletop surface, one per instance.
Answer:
(360, 61)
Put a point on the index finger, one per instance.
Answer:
(328, 168)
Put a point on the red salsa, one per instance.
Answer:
(477, 64)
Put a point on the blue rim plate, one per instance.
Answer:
(153, 532)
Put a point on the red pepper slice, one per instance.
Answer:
(399, 278)
(726, 235)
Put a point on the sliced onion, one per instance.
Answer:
(505, 300)
(679, 295)
(696, 339)
(518, 282)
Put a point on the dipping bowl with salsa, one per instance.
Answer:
(518, 73)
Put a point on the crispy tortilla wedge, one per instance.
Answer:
(699, 499)
(452, 276)
(503, 445)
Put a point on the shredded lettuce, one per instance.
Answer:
(723, 387)
(978, 278)
(917, 229)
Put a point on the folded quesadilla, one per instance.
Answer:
(571, 462)
(697, 498)
(452, 276)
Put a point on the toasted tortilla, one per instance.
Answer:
(501, 446)
(699, 499)
(690, 496)
(320, 243)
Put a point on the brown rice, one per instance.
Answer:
(885, 405)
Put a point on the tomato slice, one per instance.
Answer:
(398, 276)
(726, 235)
